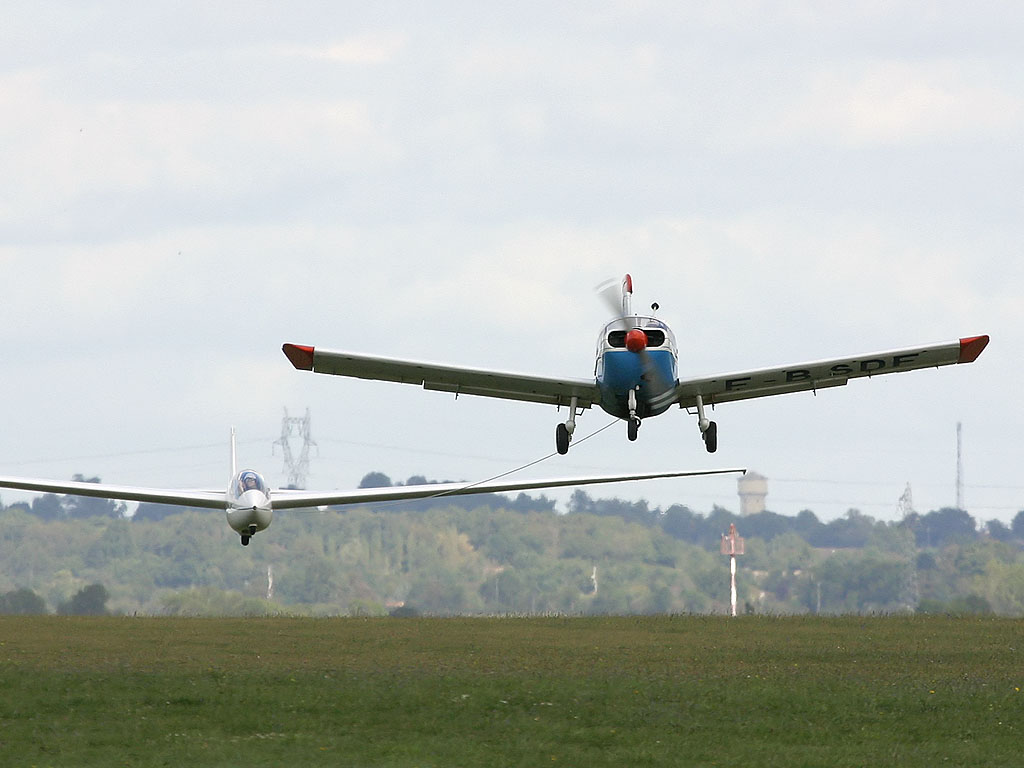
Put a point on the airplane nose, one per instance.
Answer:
(636, 340)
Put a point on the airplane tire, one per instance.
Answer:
(562, 439)
(711, 437)
(245, 541)
(633, 428)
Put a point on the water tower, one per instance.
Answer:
(753, 489)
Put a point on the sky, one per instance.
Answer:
(187, 187)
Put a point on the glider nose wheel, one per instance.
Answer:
(252, 532)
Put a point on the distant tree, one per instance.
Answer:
(375, 480)
(634, 512)
(998, 531)
(807, 524)
(77, 507)
(440, 591)
(88, 601)
(850, 583)
(943, 526)
(926, 561)
(526, 503)
(113, 544)
(313, 580)
(154, 512)
(1017, 525)
(681, 523)
(580, 503)
(854, 530)
(47, 507)
(766, 525)
(22, 602)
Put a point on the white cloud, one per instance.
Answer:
(370, 48)
(897, 103)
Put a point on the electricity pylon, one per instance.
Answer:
(296, 469)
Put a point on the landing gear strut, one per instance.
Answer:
(708, 429)
(633, 423)
(563, 432)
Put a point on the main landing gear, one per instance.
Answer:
(708, 429)
(563, 432)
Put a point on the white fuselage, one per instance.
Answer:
(248, 503)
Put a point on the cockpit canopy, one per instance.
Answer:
(248, 480)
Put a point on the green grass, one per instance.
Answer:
(511, 692)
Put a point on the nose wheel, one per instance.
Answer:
(633, 422)
(632, 428)
(245, 540)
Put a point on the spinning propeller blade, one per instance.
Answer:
(619, 301)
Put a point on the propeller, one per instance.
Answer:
(619, 299)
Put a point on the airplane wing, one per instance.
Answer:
(288, 499)
(291, 499)
(446, 378)
(205, 499)
(823, 373)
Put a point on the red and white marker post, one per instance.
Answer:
(732, 545)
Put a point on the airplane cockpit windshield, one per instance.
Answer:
(247, 480)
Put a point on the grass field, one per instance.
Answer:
(637, 691)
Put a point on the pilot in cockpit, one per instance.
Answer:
(248, 482)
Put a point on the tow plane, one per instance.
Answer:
(636, 373)
(249, 502)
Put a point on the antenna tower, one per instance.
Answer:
(959, 467)
(295, 468)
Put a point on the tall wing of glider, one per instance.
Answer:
(285, 499)
(824, 373)
(203, 499)
(446, 378)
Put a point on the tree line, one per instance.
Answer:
(498, 554)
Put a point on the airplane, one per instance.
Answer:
(249, 502)
(635, 373)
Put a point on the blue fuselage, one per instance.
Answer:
(618, 370)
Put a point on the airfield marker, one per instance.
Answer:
(732, 545)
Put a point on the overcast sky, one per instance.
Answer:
(186, 187)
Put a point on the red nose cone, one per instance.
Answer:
(636, 340)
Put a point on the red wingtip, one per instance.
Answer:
(301, 357)
(971, 347)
